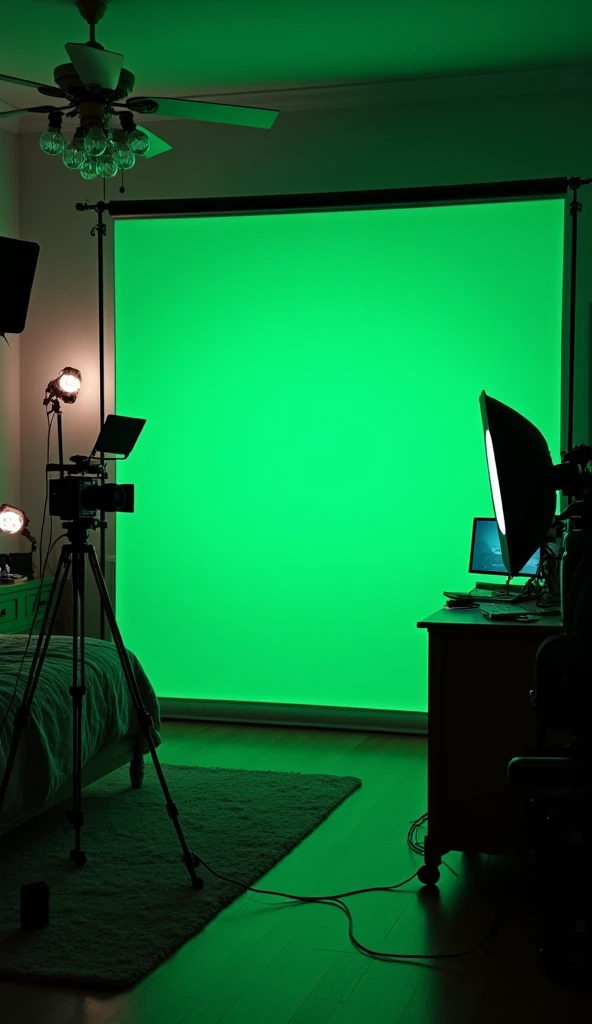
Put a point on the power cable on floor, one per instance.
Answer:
(336, 900)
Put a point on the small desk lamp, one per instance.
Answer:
(13, 520)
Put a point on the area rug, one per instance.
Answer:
(132, 905)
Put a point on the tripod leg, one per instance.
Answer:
(51, 609)
(78, 690)
(144, 719)
(22, 716)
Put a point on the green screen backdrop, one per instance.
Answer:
(313, 456)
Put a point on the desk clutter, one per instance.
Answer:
(16, 566)
(457, 600)
(509, 613)
(500, 611)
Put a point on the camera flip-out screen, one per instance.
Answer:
(119, 435)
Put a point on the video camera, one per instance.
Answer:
(80, 491)
(74, 497)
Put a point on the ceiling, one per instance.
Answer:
(195, 47)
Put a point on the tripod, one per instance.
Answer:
(73, 556)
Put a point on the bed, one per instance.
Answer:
(42, 771)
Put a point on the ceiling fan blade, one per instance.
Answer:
(28, 110)
(24, 81)
(157, 145)
(95, 66)
(196, 110)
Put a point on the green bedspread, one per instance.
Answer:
(44, 759)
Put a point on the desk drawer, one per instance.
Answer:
(8, 610)
(30, 600)
(17, 607)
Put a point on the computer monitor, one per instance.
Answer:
(486, 553)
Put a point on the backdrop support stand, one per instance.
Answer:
(575, 207)
(368, 199)
(100, 230)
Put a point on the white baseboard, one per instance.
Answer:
(311, 716)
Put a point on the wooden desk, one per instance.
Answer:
(479, 717)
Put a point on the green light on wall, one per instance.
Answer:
(324, 452)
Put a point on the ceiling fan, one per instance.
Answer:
(96, 86)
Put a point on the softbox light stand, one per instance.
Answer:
(575, 207)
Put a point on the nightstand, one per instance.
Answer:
(17, 605)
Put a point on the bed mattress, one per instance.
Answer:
(44, 759)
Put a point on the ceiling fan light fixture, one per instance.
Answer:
(94, 83)
(95, 141)
(52, 141)
(74, 154)
(122, 154)
(89, 169)
(124, 158)
(106, 166)
(138, 142)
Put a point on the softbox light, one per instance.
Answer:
(522, 479)
(18, 260)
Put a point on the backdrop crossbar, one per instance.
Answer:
(365, 199)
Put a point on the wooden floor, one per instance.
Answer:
(266, 961)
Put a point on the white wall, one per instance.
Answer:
(10, 457)
(428, 142)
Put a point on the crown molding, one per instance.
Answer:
(555, 78)
(10, 124)
(351, 95)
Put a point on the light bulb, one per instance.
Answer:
(11, 520)
(52, 142)
(65, 387)
(88, 169)
(95, 141)
(138, 142)
(106, 166)
(70, 384)
(123, 156)
(74, 153)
